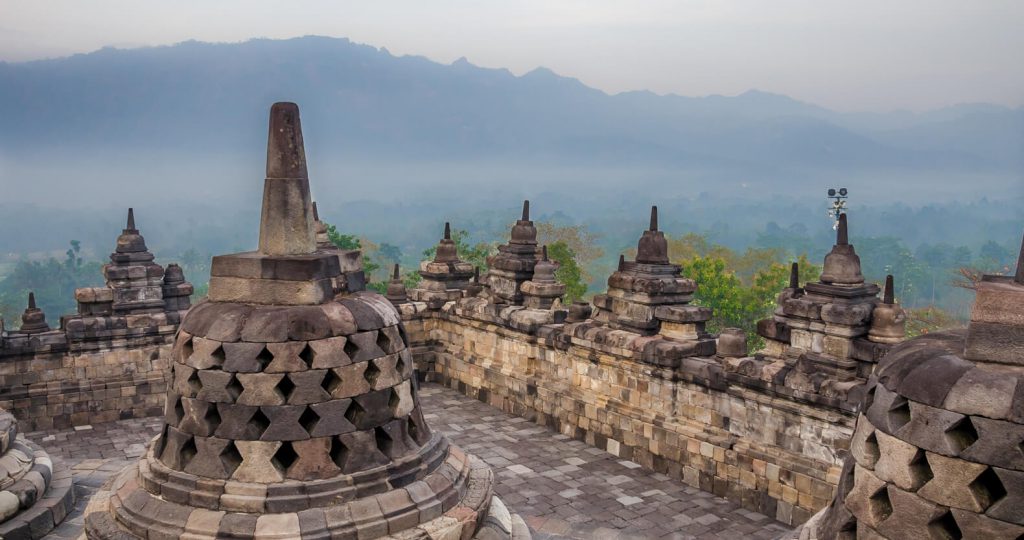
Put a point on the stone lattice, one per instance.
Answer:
(938, 451)
(293, 414)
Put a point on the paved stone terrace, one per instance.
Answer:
(563, 488)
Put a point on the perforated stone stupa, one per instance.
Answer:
(293, 411)
(938, 451)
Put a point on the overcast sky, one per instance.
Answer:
(846, 55)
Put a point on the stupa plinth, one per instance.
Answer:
(292, 413)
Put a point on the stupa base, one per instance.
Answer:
(455, 502)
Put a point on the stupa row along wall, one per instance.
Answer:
(106, 362)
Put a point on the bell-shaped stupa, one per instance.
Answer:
(293, 413)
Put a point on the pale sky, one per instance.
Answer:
(848, 55)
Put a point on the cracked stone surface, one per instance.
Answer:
(562, 488)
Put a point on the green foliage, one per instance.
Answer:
(343, 241)
(740, 288)
(569, 272)
(350, 242)
(53, 281)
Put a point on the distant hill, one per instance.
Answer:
(201, 97)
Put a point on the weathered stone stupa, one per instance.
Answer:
(825, 338)
(649, 296)
(513, 264)
(938, 450)
(444, 277)
(293, 413)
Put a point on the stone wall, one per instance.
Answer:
(47, 386)
(723, 432)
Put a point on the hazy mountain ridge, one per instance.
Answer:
(359, 99)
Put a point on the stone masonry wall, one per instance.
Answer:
(773, 454)
(46, 390)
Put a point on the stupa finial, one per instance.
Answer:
(842, 235)
(794, 276)
(544, 252)
(31, 300)
(622, 262)
(526, 210)
(447, 231)
(130, 226)
(888, 296)
(654, 218)
(286, 225)
(395, 275)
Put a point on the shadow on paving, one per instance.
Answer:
(563, 488)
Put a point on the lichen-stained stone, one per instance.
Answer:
(931, 382)
(206, 354)
(246, 357)
(353, 381)
(284, 423)
(241, 422)
(994, 437)
(360, 451)
(363, 346)
(954, 484)
(911, 517)
(199, 418)
(266, 324)
(864, 445)
(868, 500)
(367, 319)
(313, 460)
(217, 386)
(237, 526)
(982, 526)
(277, 526)
(934, 429)
(983, 391)
(214, 458)
(329, 353)
(1005, 488)
(258, 462)
(308, 387)
(330, 418)
(286, 357)
(263, 388)
(341, 320)
(900, 463)
(176, 452)
(402, 402)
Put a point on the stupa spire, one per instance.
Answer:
(447, 231)
(130, 226)
(842, 235)
(888, 296)
(286, 224)
(526, 210)
(32, 300)
(652, 247)
(794, 276)
(395, 274)
(544, 252)
(622, 262)
(654, 218)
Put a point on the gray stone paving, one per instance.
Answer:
(563, 488)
